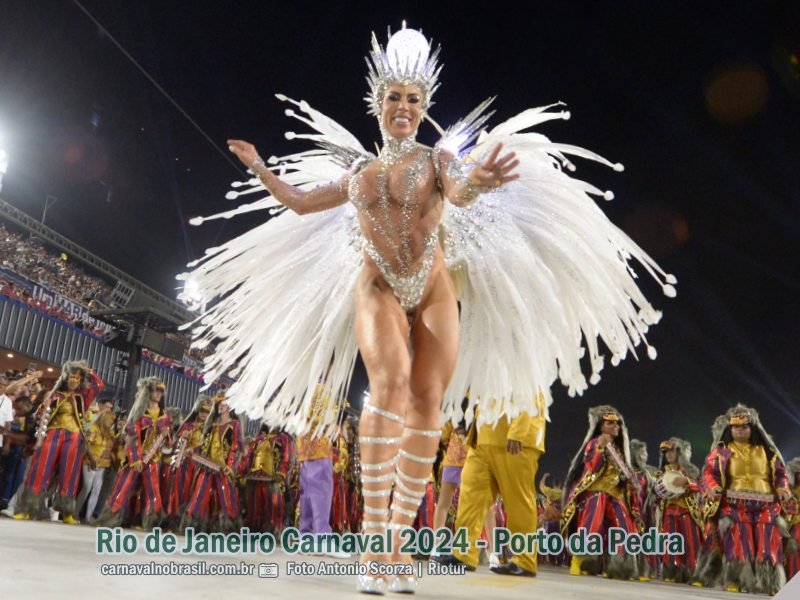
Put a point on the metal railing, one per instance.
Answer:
(54, 238)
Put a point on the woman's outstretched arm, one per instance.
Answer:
(300, 201)
(462, 184)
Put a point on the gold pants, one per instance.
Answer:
(487, 471)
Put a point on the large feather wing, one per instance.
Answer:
(548, 277)
(281, 296)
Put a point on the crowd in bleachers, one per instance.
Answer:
(28, 258)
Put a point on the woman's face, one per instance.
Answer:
(74, 381)
(671, 455)
(156, 394)
(740, 433)
(402, 110)
(611, 428)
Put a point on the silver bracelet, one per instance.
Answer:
(258, 163)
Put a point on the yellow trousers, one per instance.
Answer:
(487, 471)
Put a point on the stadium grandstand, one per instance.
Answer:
(60, 302)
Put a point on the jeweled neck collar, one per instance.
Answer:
(396, 148)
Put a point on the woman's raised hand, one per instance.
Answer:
(495, 170)
(244, 151)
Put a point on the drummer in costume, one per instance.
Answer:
(745, 481)
(264, 469)
(602, 491)
(214, 502)
(168, 455)
(60, 446)
(680, 508)
(182, 468)
(146, 431)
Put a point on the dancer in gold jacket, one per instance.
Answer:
(501, 459)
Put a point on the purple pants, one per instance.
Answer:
(316, 494)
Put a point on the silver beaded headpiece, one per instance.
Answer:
(407, 59)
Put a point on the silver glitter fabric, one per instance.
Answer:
(392, 219)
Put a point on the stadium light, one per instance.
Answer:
(190, 294)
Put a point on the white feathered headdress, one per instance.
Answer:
(407, 59)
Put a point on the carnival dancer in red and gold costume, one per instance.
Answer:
(168, 451)
(99, 428)
(264, 469)
(551, 515)
(60, 447)
(146, 432)
(647, 564)
(214, 503)
(792, 546)
(680, 508)
(355, 501)
(746, 483)
(182, 468)
(602, 491)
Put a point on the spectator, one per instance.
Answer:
(17, 448)
(6, 407)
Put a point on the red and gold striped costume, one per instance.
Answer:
(182, 475)
(61, 453)
(264, 468)
(340, 521)
(137, 476)
(744, 523)
(682, 515)
(215, 498)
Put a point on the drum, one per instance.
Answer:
(666, 486)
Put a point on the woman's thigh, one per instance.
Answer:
(381, 330)
(434, 335)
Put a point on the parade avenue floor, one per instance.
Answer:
(52, 560)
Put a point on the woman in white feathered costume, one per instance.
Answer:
(360, 261)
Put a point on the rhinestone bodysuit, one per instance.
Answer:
(399, 218)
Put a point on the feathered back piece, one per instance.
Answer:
(540, 261)
(407, 59)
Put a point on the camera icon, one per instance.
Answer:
(268, 570)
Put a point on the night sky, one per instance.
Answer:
(701, 104)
